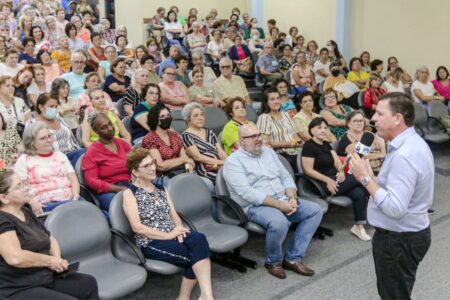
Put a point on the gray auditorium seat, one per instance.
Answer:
(124, 247)
(437, 110)
(120, 108)
(178, 124)
(343, 201)
(83, 235)
(127, 123)
(361, 99)
(79, 136)
(85, 192)
(434, 134)
(193, 202)
(251, 113)
(215, 119)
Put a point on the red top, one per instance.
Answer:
(371, 97)
(102, 167)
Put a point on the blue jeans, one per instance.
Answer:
(277, 224)
(106, 198)
(74, 155)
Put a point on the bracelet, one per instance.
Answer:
(75, 197)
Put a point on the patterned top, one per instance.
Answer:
(279, 131)
(14, 113)
(339, 131)
(132, 97)
(284, 64)
(8, 145)
(154, 212)
(205, 147)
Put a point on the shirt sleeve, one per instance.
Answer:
(343, 144)
(187, 140)
(394, 198)
(91, 174)
(20, 167)
(264, 124)
(308, 150)
(6, 225)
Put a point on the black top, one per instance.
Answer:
(343, 144)
(323, 159)
(110, 79)
(32, 237)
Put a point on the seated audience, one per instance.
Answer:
(117, 83)
(13, 109)
(104, 66)
(174, 31)
(11, 65)
(302, 76)
(104, 162)
(336, 56)
(306, 115)
(241, 56)
(355, 122)
(335, 78)
(287, 105)
(268, 64)
(158, 227)
(27, 57)
(208, 74)
(287, 61)
(200, 93)
(201, 144)
(311, 55)
(277, 129)
(406, 78)
(9, 142)
(76, 77)
(48, 173)
(165, 145)
(52, 70)
(441, 83)
(75, 42)
(229, 85)
(96, 53)
(30, 256)
(393, 81)
(62, 55)
(84, 104)
(174, 94)
(335, 113)
(123, 48)
(235, 108)
(215, 46)
(151, 94)
(267, 193)
(372, 93)
(365, 61)
(321, 162)
(67, 105)
(39, 85)
(422, 90)
(253, 25)
(196, 40)
(255, 43)
(357, 75)
(321, 67)
(148, 62)
(99, 105)
(376, 66)
(133, 94)
(155, 51)
(22, 81)
(182, 73)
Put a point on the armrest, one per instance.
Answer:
(89, 196)
(436, 123)
(316, 185)
(236, 208)
(130, 244)
(187, 221)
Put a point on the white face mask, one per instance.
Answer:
(255, 37)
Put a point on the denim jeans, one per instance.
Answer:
(74, 155)
(106, 198)
(277, 224)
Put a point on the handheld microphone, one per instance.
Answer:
(364, 146)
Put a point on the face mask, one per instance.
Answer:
(255, 37)
(152, 48)
(335, 72)
(51, 113)
(165, 123)
(330, 48)
(254, 25)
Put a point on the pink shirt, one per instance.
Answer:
(46, 176)
(176, 90)
(442, 90)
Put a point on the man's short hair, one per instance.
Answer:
(401, 103)
(375, 63)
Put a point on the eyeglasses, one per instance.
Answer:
(78, 62)
(153, 93)
(21, 186)
(170, 74)
(254, 137)
(358, 121)
(282, 86)
(149, 166)
(46, 138)
(330, 97)
(225, 67)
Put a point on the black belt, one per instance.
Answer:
(385, 231)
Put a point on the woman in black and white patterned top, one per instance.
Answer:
(158, 228)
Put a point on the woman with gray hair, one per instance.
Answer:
(201, 144)
(50, 176)
(422, 89)
(133, 95)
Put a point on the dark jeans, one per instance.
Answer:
(74, 286)
(397, 256)
(353, 189)
(194, 248)
(106, 198)
(74, 155)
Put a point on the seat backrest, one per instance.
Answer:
(321, 103)
(437, 109)
(251, 114)
(81, 231)
(287, 165)
(191, 198)
(179, 125)
(361, 99)
(287, 76)
(299, 162)
(321, 87)
(119, 221)
(421, 115)
(221, 186)
(127, 123)
(78, 170)
(120, 108)
(225, 214)
(215, 119)
(78, 136)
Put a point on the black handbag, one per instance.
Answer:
(19, 127)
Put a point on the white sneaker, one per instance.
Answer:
(360, 233)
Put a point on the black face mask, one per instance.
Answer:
(335, 72)
(165, 123)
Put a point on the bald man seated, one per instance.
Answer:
(267, 193)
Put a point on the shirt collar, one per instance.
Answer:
(240, 149)
(400, 139)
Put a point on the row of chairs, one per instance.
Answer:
(428, 122)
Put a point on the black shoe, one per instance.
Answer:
(431, 211)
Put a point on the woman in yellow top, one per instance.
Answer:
(99, 104)
(356, 75)
(235, 108)
(62, 55)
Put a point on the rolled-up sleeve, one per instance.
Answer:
(394, 198)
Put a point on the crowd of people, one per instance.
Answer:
(70, 85)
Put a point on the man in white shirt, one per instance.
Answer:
(321, 67)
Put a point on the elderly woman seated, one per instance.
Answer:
(30, 257)
(104, 162)
(165, 145)
(422, 89)
(158, 229)
(335, 113)
(202, 144)
(50, 176)
(139, 128)
(230, 134)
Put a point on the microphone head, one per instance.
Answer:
(367, 139)
(363, 147)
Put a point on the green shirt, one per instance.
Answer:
(230, 135)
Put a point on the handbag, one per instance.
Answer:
(19, 126)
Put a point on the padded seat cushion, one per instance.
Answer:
(222, 237)
(161, 267)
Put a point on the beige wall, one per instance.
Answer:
(132, 12)
(416, 31)
(315, 19)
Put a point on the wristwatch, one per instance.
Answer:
(365, 181)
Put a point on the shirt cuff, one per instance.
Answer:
(259, 198)
(380, 195)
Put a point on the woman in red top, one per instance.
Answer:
(104, 162)
(165, 145)
(372, 93)
(96, 53)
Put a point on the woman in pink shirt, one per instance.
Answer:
(104, 162)
(52, 70)
(442, 84)
(174, 94)
(50, 176)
